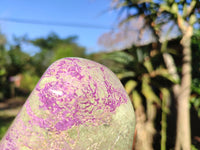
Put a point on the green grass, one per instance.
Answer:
(4, 125)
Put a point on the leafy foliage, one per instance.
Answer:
(4, 125)
(146, 80)
(13, 61)
(138, 72)
(53, 48)
(195, 87)
(4, 61)
(18, 59)
(158, 15)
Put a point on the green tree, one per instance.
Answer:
(13, 61)
(146, 81)
(156, 16)
(4, 61)
(18, 60)
(68, 50)
(53, 48)
(195, 88)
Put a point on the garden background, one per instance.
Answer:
(154, 50)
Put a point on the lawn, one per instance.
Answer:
(4, 125)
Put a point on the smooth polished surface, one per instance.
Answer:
(78, 104)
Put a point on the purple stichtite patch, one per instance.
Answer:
(77, 105)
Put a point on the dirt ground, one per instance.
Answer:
(8, 111)
(11, 107)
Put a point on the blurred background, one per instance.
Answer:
(153, 46)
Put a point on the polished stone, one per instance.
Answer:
(78, 104)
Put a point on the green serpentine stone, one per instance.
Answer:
(78, 104)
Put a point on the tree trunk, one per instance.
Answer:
(145, 128)
(183, 137)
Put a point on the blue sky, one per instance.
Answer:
(71, 11)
